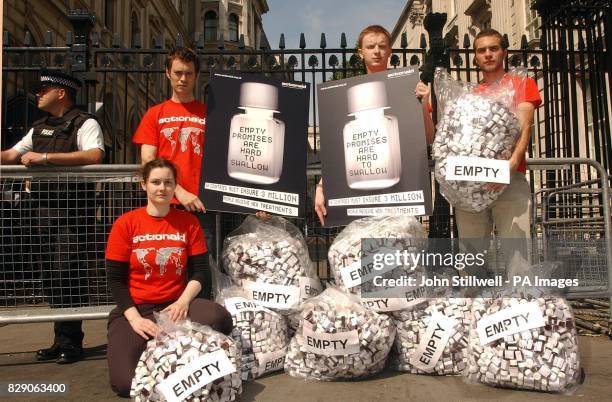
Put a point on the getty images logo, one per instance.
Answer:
(160, 236)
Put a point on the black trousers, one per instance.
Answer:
(208, 223)
(68, 333)
(125, 346)
(64, 220)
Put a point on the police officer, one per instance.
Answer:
(67, 136)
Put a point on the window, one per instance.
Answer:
(586, 93)
(532, 22)
(233, 27)
(480, 13)
(109, 14)
(134, 30)
(210, 26)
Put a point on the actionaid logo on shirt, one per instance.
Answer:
(160, 236)
(175, 119)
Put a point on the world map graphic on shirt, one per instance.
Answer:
(190, 133)
(162, 257)
(167, 132)
(141, 254)
(196, 145)
(166, 254)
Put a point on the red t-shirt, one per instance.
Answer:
(177, 130)
(157, 251)
(525, 90)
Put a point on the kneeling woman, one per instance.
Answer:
(156, 261)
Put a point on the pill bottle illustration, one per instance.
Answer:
(371, 141)
(256, 138)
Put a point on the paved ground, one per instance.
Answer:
(88, 379)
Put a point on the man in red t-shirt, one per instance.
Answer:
(510, 212)
(174, 130)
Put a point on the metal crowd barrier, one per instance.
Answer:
(572, 220)
(54, 224)
(571, 215)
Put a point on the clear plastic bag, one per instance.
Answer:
(448, 89)
(270, 259)
(434, 339)
(176, 346)
(260, 333)
(524, 342)
(345, 254)
(476, 121)
(338, 339)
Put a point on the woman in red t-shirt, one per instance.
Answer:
(156, 261)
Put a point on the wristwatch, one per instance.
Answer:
(45, 159)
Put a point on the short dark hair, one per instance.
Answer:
(184, 54)
(490, 32)
(373, 29)
(157, 163)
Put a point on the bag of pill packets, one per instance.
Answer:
(433, 338)
(180, 354)
(269, 258)
(338, 338)
(260, 333)
(524, 343)
(525, 337)
(476, 121)
(353, 271)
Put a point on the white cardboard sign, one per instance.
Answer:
(509, 321)
(434, 341)
(340, 343)
(309, 287)
(195, 375)
(274, 296)
(472, 168)
(235, 305)
(271, 361)
(380, 304)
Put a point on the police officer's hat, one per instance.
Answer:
(56, 79)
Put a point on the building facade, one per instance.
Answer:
(569, 105)
(141, 22)
(512, 17)
(125, 84)
(229, 19)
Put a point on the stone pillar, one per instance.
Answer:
(222, 26)
(244, 23)
(501, 17)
